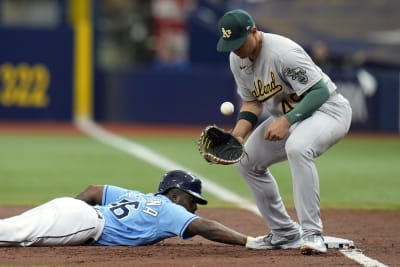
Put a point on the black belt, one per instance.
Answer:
(99, 215)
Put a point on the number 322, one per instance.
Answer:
(24, 85)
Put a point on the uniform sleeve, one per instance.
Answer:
(112, 193)
(299, 70)
(315, 97)
(175, 219)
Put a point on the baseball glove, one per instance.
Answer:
(219, 146)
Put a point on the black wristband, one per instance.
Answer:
(248, 116)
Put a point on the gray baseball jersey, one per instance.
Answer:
(278, 78)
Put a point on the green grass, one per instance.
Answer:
(357, 173)
(37, 168)
(364, 173)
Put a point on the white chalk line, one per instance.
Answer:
(92, 129)
(358, 256)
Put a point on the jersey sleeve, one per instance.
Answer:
(112, 193)
(175, 219)
(298, 70)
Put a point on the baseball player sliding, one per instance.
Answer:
(109, 215)
(307, 117)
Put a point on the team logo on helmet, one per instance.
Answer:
(297, 74)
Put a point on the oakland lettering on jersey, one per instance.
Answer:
(263, 92)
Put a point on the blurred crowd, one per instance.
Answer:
(152, 33)
(127, 32)
(143, 32)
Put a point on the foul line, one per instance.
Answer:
(358, 256)
(91, 129)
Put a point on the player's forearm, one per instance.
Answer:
(247, 118)
(242, 129)
(316, 96)
(217, 232)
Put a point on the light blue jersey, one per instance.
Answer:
(133, 218)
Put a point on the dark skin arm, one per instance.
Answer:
(208, 229)
(92, 195)
(215, 231)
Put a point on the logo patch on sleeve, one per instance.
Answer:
(296, 74)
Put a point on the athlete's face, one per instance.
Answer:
(188, 201)
(249, 47)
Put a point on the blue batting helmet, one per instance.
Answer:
(184, 181)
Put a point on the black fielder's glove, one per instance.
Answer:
(219, 146)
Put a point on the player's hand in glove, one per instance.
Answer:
(219, 146)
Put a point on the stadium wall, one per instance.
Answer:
(193, 96)
(46, 75)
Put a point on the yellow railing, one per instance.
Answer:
(81, 19)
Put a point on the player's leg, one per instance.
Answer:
(309, 139)
(62, 221)
(254, 169)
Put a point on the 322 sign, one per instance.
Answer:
(24, 85)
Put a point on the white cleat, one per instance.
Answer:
(313, 244)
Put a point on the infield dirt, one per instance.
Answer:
(376, 233)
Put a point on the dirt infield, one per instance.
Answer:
(376, 233)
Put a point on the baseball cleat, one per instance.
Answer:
(313, 244)
(273, 241)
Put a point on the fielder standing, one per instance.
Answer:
(307, 117)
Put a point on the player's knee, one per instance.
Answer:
(295, 151)
(242, 168)
(248, 169)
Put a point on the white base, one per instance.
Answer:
(336, 242)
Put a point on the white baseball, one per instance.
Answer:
(227, 108)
